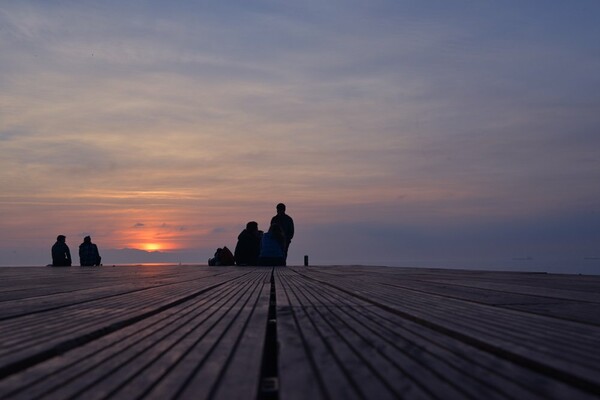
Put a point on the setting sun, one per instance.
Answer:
(152, 246)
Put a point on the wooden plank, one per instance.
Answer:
(481, 375)
(139, 359)
(35, 334)
(381, 374)
(573, 287)
(307, 366)
(394, 291)
(242, 372)
(500, 324)
(527, 287)
(237, 358)
(71, 290)
(343, 332)
(75, 364)
(564, 349)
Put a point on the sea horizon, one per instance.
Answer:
(583, 266)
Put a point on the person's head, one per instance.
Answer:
(61, 238)
(87, 239)
(252, 226)
(280, 208)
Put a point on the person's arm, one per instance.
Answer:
(291, 229)
(97, 255)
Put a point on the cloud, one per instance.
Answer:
(204, 117)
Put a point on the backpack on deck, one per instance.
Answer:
(226, 257)
(223, 256)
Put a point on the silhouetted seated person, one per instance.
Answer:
(247, 248)
(61, 255)
(272, 247)
(223, 257)
(88, 253)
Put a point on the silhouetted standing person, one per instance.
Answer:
(286, 223)
(247, 248)
(88, 253)
(61, 255)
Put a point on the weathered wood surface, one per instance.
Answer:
(163, 332)
(187, 332)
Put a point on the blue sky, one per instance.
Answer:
(449, 126)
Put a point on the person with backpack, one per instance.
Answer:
(272, 247)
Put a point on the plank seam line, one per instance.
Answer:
(371, 320)
(231, 295)
(313, 292)
(268, 387)
(99, 285)
(502, 291)
(238, 296)
(9, 317)
(509, 312)
(340, 337)
(184, 314)
(501, 306)
(555, 373)
(63, 347)
(484, 368)
(219, 381)
(309, 355)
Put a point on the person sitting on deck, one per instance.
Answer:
(247, 248)
(272, 247)
(88, 253)
(61, 255)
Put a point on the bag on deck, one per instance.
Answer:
(223, 256)
(226, 257)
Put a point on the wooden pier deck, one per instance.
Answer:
(347, 332)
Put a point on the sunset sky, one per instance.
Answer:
(438, 133)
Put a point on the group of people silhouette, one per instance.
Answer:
(253, 246)
(257, 248)
(88, 253)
